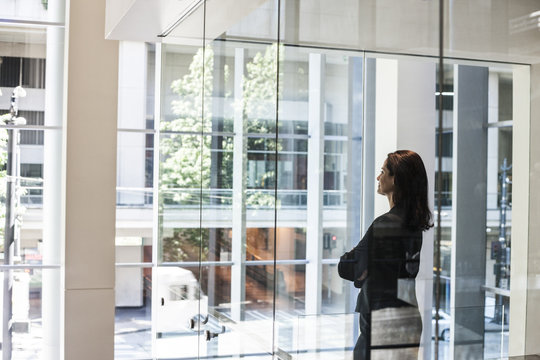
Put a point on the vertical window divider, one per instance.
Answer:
(439, 179)
(201, 172)
(276, 178)
(155, 191)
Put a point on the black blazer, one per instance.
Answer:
(389, 251)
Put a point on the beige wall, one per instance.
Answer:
(525, 272)
(532, 345)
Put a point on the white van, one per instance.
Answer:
(178, 296)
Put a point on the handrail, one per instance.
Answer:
(495, 290)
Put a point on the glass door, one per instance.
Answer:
(180, 304)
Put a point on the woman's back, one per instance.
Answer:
(393, 256)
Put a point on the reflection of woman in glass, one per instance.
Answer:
(385, 262)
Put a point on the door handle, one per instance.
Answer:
(209, 335)
(197, 318)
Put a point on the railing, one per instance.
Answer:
(492, 198)
(223, 198)
(32, 196)
(217, 198)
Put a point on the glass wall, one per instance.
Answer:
(31, 66)
(248, 154)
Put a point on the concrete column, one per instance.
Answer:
(238, 271)
(525, 257)
(469, 191)
(90, 181)
(315, 177)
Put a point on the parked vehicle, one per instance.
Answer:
(444, 325)
(180, 300)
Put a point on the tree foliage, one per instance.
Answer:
(185, 146)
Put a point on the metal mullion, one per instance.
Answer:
(137, 264)
(201, 133)
(29, 127)
(335, 138)
(329, 261)
(272, 152)
(143, 131)
(226, 263)
(196, 263)
(281, 136)
(276, 262)
(29, 266)
(33, 23)
(155, 197)
(501, 124)
(438, 229)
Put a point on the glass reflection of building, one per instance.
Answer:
(245, 168)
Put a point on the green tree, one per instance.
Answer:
(185, 155)
(185, 151)
(261, 91)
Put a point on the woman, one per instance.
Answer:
(385, 262)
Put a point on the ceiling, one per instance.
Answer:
(504, 30)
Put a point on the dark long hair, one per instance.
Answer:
(410, 187)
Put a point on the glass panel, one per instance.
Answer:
(180, 197)
(475, 218)
(335, 291)
(135, 165)
(30, 179)
(291, 243)
(32, 190)
(223, 165)
(34, 294)
(179, 312)
(181, 302)
(290, 302)
(405, 27)
(328, 336)
(502, 32)
(136, 86)
(238, 174)
(35, 10)
(404, 122)
(221, 335)
(133, 316)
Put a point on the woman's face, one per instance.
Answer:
(386, 181)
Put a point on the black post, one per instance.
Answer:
(502, 270)
(9, 237)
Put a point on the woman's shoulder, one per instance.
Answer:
(391, 217)
(394, 219)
